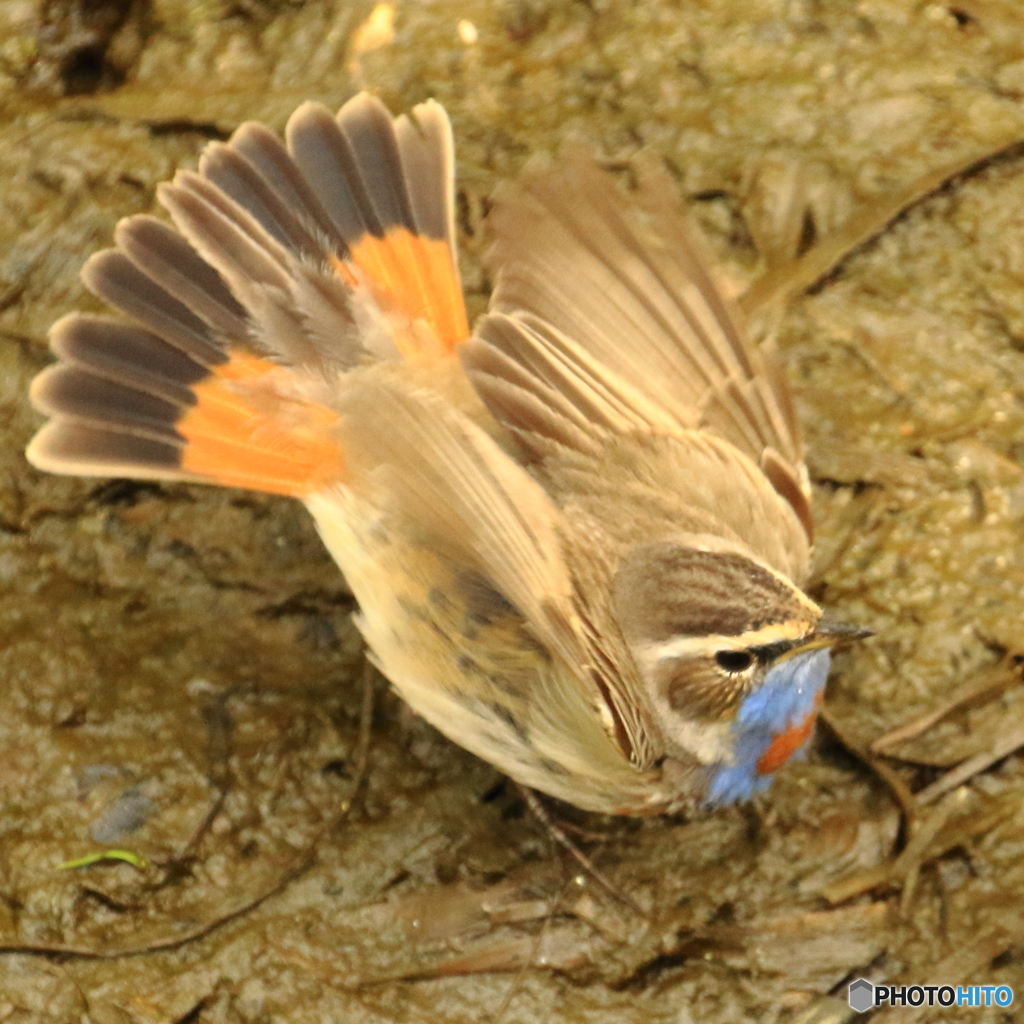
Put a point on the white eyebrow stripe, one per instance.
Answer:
(650, 653)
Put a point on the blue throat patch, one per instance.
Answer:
(783, 701)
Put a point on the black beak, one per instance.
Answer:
(836, 633)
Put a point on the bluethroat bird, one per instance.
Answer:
(576, 535)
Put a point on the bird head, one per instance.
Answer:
(733, 654)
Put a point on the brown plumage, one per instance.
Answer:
(576, 539)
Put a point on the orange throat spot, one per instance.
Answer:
(786, 744)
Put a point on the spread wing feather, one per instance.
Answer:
(609, 303)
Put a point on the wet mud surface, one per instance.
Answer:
(180, 677)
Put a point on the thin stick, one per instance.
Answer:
(559, 836)
(996, 679)
(1001, 747)
(906, 800)
(784, 282)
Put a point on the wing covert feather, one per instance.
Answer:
(457, 485)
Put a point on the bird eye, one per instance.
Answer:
(734, 661)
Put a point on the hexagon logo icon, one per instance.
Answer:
(862, 995)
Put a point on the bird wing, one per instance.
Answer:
(466, 498)
(605, 319)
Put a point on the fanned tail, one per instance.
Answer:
(291, 265)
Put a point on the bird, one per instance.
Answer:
(577, 534)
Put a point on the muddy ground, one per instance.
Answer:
(180, 676)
